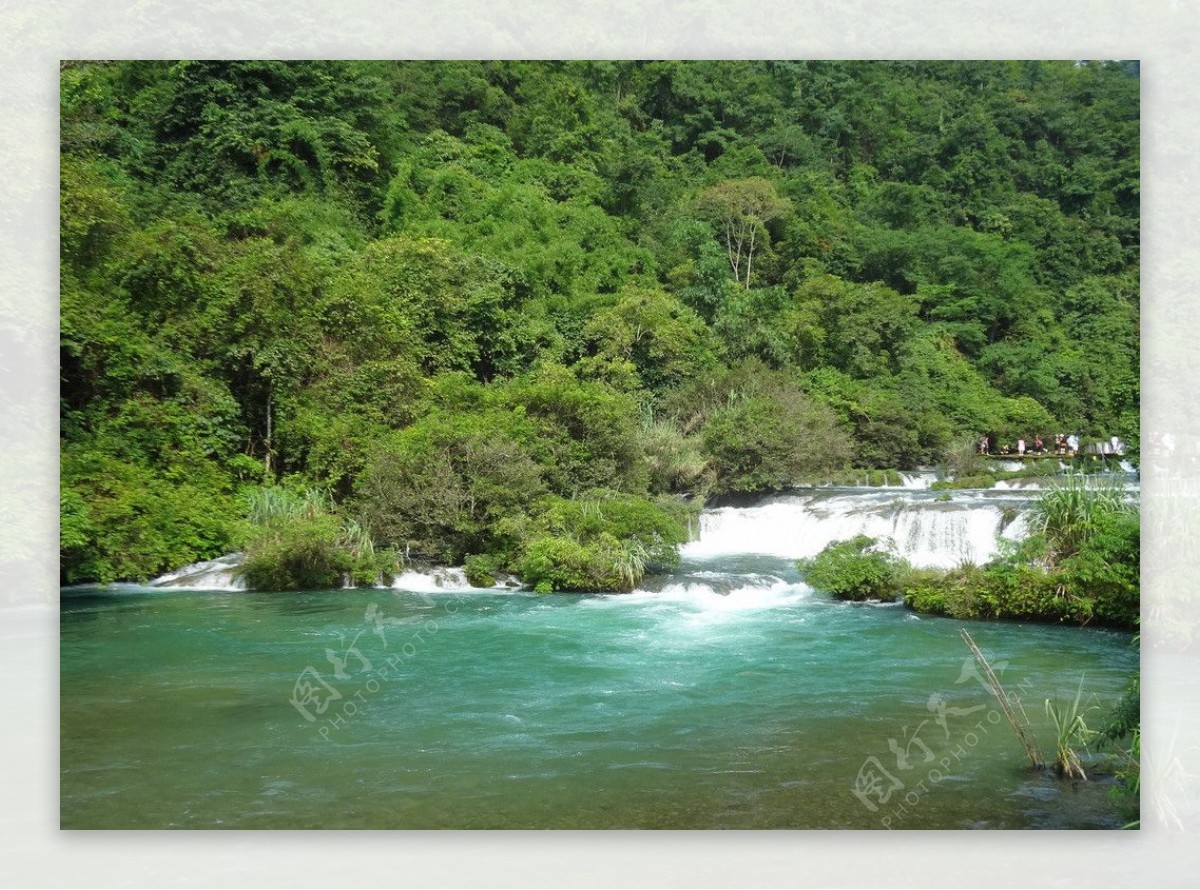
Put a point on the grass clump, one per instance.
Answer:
(1070, 732)
(294, 541)
(1076, 510)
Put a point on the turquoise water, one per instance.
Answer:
(729, 696)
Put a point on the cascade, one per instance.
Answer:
(925, 529)
(212, 574)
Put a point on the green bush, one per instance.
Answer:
(481, 570)
(302, 555)
(438, 488)
(563, 564)
(294, 542)
(1106, 569)
(851, 570)
(606, 542)
(1026, 591)
(121, 520)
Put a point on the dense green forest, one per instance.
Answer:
(346, 315)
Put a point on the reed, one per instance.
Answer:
(1070, 731)
(1019, 723)
(270, 506)
(629, 563)
(1069, 513)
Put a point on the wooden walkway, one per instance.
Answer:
(1028, 455)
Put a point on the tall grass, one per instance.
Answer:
(1070, 512)
(629, 563)
(274, 506)
(962, 459)
(298, 542)
(356, 538)
(1070, 730)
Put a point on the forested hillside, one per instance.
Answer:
(347, 314)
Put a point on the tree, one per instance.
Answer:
(742, 208)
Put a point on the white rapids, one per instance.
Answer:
(925, 530)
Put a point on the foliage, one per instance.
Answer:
(1106, 569)
(854, 570)
(963, 460)
(856, 477)
(675, 462)
(1126, 717)
(759, 429)
(1099, 581)
(1070, 731)
(997, 590)
(1125, 733)
(482, 570)
(438, 489)
(607, 541)
(741, 210)
(122, 520)
(296, 543)
(1075, 510)
(444, 291)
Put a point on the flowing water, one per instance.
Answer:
(724, 695)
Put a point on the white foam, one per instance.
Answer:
(1017, 485)
(696, 596)
(212, 574)
(921, 479)
(925, 532)
(221, 574)
(440, 580)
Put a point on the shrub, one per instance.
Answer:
(759, 429)
(955, 592)
(999, 590)
(1075, 510)
(437, 488)
(606, 542)
(124, 521)
(552, 563)
(850, 570)
(481, 570)
(295, 543)
(301, 555)
(1106, 569)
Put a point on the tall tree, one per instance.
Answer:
(742, 208)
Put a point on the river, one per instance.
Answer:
(724, 695)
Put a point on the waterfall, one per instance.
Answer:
(220, 574)
(929, 529)
(925, 529)
(212, 574)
